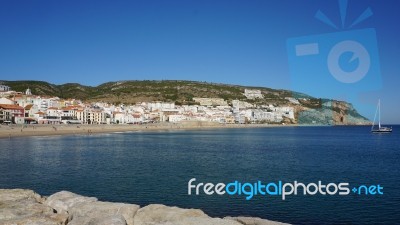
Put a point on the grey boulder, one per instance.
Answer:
(63, 201)
(24, 207)
(156, 214)
(254, 221)
(87, 212)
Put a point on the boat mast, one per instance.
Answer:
(379, 115)
(376, 112)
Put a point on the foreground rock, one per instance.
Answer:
(25, 207)
(19, 206)
(101, 212)
(253, 221)
(63, 201)
(164, 215)
(88, 210)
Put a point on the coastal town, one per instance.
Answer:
(27, 108)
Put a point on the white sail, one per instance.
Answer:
(380, 128)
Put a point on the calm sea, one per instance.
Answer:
(155, 167)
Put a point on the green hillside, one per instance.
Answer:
(181, 92)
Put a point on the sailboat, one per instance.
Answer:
(380, 129)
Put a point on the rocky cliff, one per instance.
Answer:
(331, 112)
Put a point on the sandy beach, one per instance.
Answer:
(13, 131)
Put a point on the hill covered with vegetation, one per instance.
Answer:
(137, 91)
(183, 92)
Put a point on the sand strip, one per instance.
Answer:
(12, 131)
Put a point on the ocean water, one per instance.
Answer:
(155, 167)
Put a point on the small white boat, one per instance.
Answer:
(380, 129)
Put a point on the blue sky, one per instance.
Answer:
(235, 42)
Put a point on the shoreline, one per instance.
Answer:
(40, 130)
(31, 130)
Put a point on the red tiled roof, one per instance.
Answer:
(72, 107)
(28, 107)
(7, 106)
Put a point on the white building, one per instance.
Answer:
(53, 112)
(91, 116)
(137, 118)
(252, 94)
(293, 100)
(190, 108)
(11, 113)
(31, 110)
(45, 103)
(25, 100)
(4, 88)
(6, 101)
(285, 111)
(176, 118)
(28, 92)
(119, 117)
(211, 101)
(153, 106)
(236, 104)
(68, 112)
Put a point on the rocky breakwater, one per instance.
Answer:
(25, 207)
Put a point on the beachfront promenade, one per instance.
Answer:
(12, 131)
